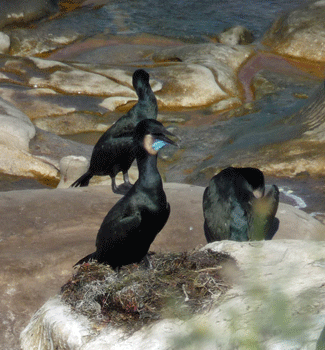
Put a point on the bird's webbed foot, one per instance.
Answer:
(121, 189)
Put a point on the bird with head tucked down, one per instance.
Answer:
(235, 206)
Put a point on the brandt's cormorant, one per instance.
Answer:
(235, 207)
(114, 150)
(134, 221)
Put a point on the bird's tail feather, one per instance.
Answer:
(86, 259)
(83, 180)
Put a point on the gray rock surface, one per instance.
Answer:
(44, 232)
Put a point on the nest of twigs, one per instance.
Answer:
(178, 285)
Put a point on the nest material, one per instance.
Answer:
(178, 285)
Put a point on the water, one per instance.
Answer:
(195, 19)
(182, 19)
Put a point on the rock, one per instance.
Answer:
(17, 11)
(16, 129)
(295, 146)
(27, 153)
(44, 232)
(21, 163)
(222, 60)
(71, 168)
(187, 85)
(237, 35)
(230, 103)
(72, 123)
(276, 302)
(37, 103)
(321, 341)
(300, 33)
(4, 43)
(72, 98)
(76, 81)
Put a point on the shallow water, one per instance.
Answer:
(187, 19)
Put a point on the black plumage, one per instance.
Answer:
(132, 224)
(235, 207)
(114, 150)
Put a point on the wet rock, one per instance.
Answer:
(187, 85)
(25, 42)
(55, 95)
(16, 11)
(76, 81)
(284, 147)
(281, 279)
(300, 33)
(36, 103)
(222, 60)
(72, 123)
(230, 103)
(233, 57)
(237, 35)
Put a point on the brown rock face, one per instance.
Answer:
(300, 33)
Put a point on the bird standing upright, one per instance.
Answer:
(114, 151)
(132, 224)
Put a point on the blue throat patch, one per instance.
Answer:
(158, 144)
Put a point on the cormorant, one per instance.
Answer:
(235, 207)
(132, 224)
(114, 150)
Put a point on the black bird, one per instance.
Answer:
(134, 221)
(114, 150)
(235, 207)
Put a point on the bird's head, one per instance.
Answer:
(152, 136)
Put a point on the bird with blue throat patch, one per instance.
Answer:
(114, 151)
(236, 207)
(134, 221)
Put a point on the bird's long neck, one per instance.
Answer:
(149, 176)
(145, 93)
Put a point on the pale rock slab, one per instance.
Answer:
(16, 129)
(279, 279)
